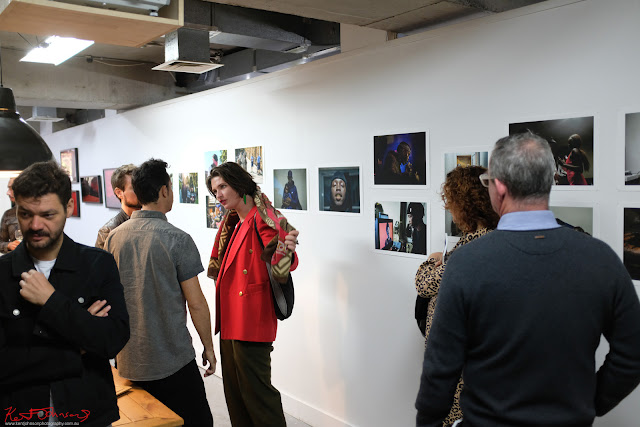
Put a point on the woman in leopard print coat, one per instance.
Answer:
(470, 206)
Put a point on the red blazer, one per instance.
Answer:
(244, 306)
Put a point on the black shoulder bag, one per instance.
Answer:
(282, 294)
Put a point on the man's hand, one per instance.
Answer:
(99, 308)
(35, 288)
(209, 356)
(11, 246)
(291, 240)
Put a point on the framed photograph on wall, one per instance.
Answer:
(69, 162)
(632, 150)
(91, 188)
(400, 159)
(575, 217)
(290, 189)
(339, 189)
(215, 212)
(188, 187)
(110, 199)
(631, 242)
(572, 141)
(75, 195)
(251, 159)
(400, 227)
(212, 159)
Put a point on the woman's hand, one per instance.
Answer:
(436, 258)
(291, 240)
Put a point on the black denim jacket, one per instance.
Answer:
(60, 347)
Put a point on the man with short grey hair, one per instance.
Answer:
(122, 188)
(522, 310)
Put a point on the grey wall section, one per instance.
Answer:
(351, 354)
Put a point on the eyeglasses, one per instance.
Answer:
(484, 179)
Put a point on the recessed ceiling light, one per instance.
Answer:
(55, 50)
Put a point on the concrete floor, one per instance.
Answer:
(215, 396)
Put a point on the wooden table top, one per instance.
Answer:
(139, 408)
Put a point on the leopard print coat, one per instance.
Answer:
(428, 280)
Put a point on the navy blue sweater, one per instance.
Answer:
(522, 314)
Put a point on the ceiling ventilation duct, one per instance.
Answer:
(44, 114)
(187, 50)
(145, 7)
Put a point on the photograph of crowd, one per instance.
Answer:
(401, 227)
(631, 243)
(188, 187)
(400, 159)
(251, 160)
(571, 141)
(632, 149)
(290, 189)
(339, 189)
(215, 212)
(213, 159)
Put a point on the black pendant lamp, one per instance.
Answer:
(20, 144)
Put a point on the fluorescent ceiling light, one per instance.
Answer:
(55, 50)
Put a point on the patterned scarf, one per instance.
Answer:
(274, 251)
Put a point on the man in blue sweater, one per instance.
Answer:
(521, 312)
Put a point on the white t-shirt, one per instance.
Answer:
(45, 267)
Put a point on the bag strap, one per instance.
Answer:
(276, 288)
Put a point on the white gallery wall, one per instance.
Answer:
(351, 353)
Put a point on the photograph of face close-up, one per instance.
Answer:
(400, 159)
(339, 189)
(401, 227)
(571, 142)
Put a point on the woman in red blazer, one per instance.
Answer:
(245, 316)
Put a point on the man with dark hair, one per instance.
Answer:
(417, 228)
(122, 188)
(339, 196)
(522, 310)
(62, 313)
(396, 168)
(290, 199)
(159, 266)
(9, 224)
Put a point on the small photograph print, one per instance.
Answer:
(252, 161)
(110, 199)
(576, 218)
(475, 158)
(75, 195)
(339, 189)
(632, 149)
(215, 212)
(401, 227)
(69, 162)
(571, 141)
(91, 189)
(631, 243)
(213, 159)
(188, 187)
(290, 189)
(400, 159)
